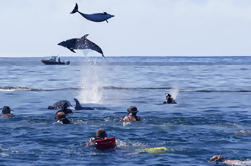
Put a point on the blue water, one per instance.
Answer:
(213, 96)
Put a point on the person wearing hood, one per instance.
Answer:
(6, 112)
(132, 115)
(61, 118)
(169, 99)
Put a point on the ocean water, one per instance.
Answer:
(212, 115)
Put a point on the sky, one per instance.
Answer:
(33, 28)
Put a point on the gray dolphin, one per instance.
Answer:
(81, 43)
(96, 17)
(59, 105)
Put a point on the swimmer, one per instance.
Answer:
(219, 159)
(169, 99)
(132, 116)
(6, 112)
(100, 134)
(61, 118)
(65, 109)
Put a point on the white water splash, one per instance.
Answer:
(174, 92)
(92, 78)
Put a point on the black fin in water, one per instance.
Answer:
(75, 9)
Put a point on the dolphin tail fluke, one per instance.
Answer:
(75, 9)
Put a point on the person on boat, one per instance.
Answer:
(132, 115)
(6, 112)
(100, 134)
(219, 159)
(169, 99)
(65, 109)
(61, 118)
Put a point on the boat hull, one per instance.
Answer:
(47, 62)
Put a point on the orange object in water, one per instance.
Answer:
(105, 143)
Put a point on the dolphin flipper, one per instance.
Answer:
(71, 50)
(75, 9)
(106, 21)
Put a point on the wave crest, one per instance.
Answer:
(21, 88)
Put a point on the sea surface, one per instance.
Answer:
(212, 115)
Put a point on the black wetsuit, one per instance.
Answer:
(170, 100)
(65, 121)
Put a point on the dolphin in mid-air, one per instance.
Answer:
(81, 44)
(96, 17)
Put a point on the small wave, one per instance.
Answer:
(14, 88)
(171, 88)
(20, 88)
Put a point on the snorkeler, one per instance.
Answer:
(169, 99)
(132, 116)
(100, 134)
(219, 159)
(6, 112)
(101, 141)
(61, 118)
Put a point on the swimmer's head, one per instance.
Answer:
(216, 158)
(6, 110)
(133, 110)
(168, 95)
(60, 115)
(101, 133)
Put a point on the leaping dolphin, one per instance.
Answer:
(81, 43)
(96, 17)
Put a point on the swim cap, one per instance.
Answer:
(101, 133)
(132, 109)
(6, 110)
(168, 95)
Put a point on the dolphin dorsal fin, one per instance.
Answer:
(85, 36)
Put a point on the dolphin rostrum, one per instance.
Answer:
(96, 17)
(81, 44)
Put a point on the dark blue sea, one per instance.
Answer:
(212, 115)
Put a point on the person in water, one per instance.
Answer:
(65, 109)
(169, 99)
(100, 134)
(219, 159)
(6, 112)
(132, 115)
(61, 118)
